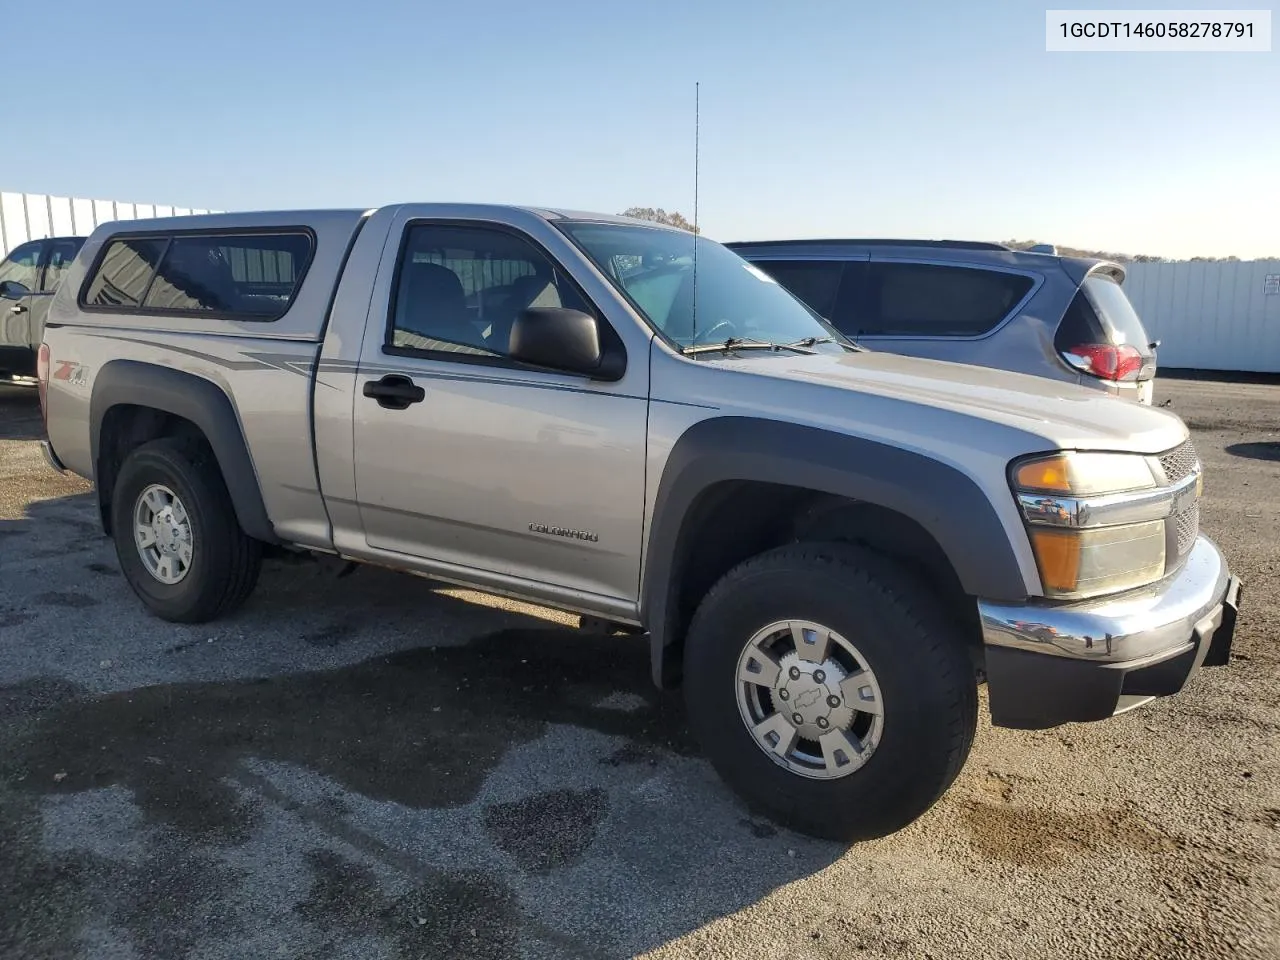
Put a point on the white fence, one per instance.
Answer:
(1210, 315)
(32, 216)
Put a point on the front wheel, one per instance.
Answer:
(827, 689)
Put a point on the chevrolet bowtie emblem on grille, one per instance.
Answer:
(565, 532)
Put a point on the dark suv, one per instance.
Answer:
(1066, 318)
(29, 276)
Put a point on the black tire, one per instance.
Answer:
(919, 659)
(224, 560)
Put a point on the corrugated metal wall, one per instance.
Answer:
(31, 216)
(1210, 316)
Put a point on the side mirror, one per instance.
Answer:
(563, 339)
(13, 290)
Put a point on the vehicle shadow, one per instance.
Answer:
(20, 413)
(1255, 451)
(484, 770)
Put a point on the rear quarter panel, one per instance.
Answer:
(267, 381)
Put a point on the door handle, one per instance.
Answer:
(18, 308)
(394, 392)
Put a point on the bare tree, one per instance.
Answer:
(658, 215)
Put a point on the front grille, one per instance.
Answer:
(1179, 463)
(1182, 528)
(1187, 525)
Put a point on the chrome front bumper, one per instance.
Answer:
(1049, 663)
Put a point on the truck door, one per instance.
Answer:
(473, 462)
(17, 354)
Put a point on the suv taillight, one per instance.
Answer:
(1106, 361)
(42, 376)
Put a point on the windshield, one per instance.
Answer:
(653, 268)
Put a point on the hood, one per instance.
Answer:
(1066, 415)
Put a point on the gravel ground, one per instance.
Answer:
(377, 766)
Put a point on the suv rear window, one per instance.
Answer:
(931, 300)
(1100, 312)
(815, 282)
(243, 276)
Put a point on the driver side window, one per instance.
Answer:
(460, 289)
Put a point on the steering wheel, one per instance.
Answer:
(709, 337)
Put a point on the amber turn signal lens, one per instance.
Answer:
(1058, 556)
(1048, 474)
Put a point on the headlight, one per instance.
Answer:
(1096, 521)
(1083, 474)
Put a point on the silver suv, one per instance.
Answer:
(1066, 318)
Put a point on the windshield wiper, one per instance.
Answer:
(814, 341)
(744, 343)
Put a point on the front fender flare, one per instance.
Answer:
(947, 503)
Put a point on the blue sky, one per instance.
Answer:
(818, 118)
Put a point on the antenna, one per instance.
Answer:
(696, 130)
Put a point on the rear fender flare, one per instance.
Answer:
(204, 404)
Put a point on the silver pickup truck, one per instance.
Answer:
(831, 549)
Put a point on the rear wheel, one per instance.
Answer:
(176, 534)
(828, 690)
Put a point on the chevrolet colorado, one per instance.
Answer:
(829, 548)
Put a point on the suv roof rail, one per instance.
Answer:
(858, 241)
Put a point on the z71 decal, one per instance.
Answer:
(71, 372)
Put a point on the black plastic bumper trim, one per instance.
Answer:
(1034, 691)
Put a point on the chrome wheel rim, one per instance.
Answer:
(809, 699)
(162, 533)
